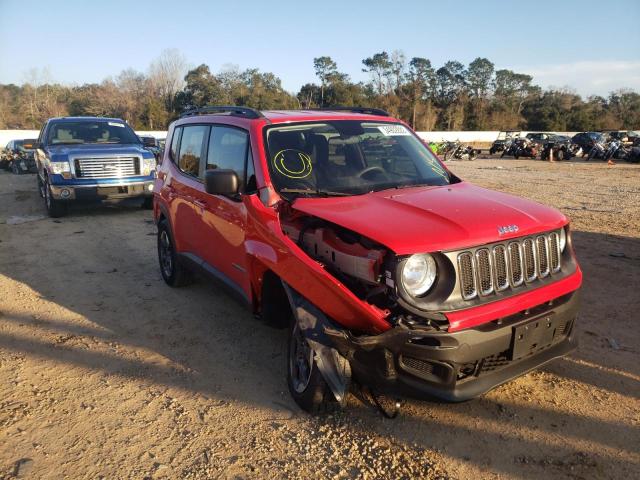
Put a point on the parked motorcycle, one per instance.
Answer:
(521, 147)
(461, 152)
(598, 150)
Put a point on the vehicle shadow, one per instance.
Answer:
(198, 339)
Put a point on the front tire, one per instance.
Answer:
(173, 272)
(306, 384)
(55, 208)
(147, 203)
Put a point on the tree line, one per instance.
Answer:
(453, 96)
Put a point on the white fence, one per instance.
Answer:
(469, 136)
(436, 136)
(7, 135)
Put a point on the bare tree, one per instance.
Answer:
(166, 74)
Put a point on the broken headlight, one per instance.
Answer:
(418, 274)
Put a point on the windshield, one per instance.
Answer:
(349, 157)
(91, 131)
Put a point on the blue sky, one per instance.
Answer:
(592, 46)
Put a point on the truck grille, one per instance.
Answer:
(496, 268)
(116, 167)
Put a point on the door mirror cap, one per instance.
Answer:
(221, 182)
(148, 141)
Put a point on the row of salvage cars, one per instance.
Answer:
(617, 144)
(19, 157)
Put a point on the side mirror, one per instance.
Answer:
(148, 141)
(221, 182)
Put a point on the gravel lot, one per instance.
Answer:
(107, 373)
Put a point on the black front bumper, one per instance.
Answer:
(458, 366)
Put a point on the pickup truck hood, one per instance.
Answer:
(430, 219)
(62, 152)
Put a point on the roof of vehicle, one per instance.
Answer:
(285, 116)
(75, 119)
(277, 116)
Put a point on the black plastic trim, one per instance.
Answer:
(232, 110)
(194, 262)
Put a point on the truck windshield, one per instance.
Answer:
(92, 131)
(349, 157)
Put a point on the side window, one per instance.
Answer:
(173, 152)
(228, 150)
(191, 149)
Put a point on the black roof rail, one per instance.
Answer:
(236, 111)
(363, 110)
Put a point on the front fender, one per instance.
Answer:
(269, 246)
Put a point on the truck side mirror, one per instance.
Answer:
(221, 182)
(148, 141)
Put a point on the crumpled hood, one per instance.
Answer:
(62, 152)
(430, 219)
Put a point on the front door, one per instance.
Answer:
(224, 219)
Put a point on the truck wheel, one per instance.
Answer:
(306, 384)
(147, 203)
(561, 155)
(14, 168)
(55, 208)
(173, 273)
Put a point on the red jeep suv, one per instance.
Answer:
(388, 269)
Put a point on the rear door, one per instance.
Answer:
(181, 188)
(224, 219)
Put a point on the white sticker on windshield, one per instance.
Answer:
(114, 124)
(393, 130)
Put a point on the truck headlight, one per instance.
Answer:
(563, 239)
(60, 168)
(148, 165)
(418, 274)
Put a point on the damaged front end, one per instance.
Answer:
(418, 354)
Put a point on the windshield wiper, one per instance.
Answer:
(317, 191)
(400, 186)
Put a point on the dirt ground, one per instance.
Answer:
(105, 372)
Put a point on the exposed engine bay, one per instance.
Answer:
(356, 261)
(365, 267)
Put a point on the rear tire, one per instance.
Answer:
(306, 384)
(173, 272)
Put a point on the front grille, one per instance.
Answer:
(500, 265)
(554, 252)
(529, 254)
(507, 265)
(421, 366)
(495, 362)
(543, 257)
(115, 167)
(485, 280)
(467, 277)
